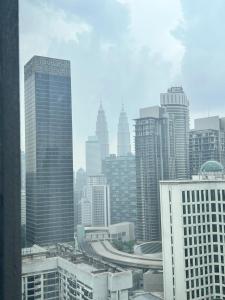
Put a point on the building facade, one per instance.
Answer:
(177, 106)
(49, 151)
(95, 205)
(123, 135)
(93, 156)
(102, 132)
(56, 278)
(207, 142)
(80, 183)
(120, 172)
(154, 162)
(192, 214)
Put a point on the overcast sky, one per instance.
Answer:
(128, 51)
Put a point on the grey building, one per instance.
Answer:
(154, 161)
(123, 135)
(102, 132)
(177, 106)
(99, 197)
(207, 142)
(80, 182)
(120, 172)
(49, 155)
(93, 156)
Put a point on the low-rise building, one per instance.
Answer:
(57, 278)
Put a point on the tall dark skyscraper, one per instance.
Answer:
(177, 106)
(154, 162)
(120, 172)
(49, 153)
(102, 132)
(123, 135)
(207, 142)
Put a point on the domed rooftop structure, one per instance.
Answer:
(211, 166)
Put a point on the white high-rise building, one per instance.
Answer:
(102, 132)
(95, 205)
(123, 135)
(93, 156)
(177, 106)
(193, 235)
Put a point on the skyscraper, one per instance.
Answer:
(120, 172)
(80, 182)
(207, 142)
(93, 156)
(96, 203)
(49, 153)
(102, 132)
(123, 135)
(154, 162)
(192, 214)
(177, 106)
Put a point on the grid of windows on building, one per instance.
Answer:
(120, 172)
(176, 104)
(207, 142)
(154, 162)
(193, 218)
(49, 151)
(204, 219)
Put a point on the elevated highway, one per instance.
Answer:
(105, 250)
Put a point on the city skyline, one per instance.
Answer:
(117, 56)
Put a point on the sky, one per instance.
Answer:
(128, 51)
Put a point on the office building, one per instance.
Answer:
(102, 132)
(49, 151)
(207, 142)
(177, 106)
(154, 162)
(93, 156)
(86, 205)
(192, 214)
(123, 135)
(80, 182)
(120, 172)
(10, 177)
(99, 196)
(57, 278)
(96, 202)
(23, 207)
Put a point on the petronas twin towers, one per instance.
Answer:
(123, 134)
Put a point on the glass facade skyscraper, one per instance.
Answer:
(120, 172)
(123, 135)
(176, 104)
(154, 162)
(49, 153)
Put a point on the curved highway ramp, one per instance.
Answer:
(108, 252)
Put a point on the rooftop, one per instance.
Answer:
(212, 166)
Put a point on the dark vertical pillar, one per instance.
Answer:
(10, 250)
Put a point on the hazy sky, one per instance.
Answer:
(129, 51)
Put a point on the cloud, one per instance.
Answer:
(203, 70)
(153, 25)
(43, 25)
(121, 51)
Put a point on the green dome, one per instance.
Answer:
(212, 166)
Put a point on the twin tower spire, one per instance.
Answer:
(123, 133)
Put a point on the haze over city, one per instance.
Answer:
(128, 52)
